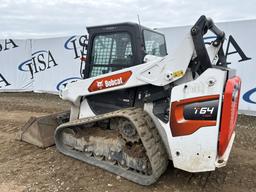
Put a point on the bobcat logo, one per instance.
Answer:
(110, 81)
(100, 84)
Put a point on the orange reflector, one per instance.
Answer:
(229, 113)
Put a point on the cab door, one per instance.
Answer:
(111, 52)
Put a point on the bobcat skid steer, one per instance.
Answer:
(137, 107)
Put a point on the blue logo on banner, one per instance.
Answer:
(40, 61)
(247, 96)
(74, 43)
(24, 66)
(68, 42)
(64, 82)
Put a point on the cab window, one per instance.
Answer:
(110, 52)
(154, 43)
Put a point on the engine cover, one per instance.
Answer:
(195, 118)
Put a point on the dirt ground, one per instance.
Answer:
(24, 167)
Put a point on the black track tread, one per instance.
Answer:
(149, 136)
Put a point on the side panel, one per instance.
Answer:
(193, 138)
(85, 110)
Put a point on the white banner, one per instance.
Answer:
(12, 54)
(40, 65)
(55, 62)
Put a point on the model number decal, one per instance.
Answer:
(204, 110)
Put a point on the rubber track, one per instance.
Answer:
(149, 136)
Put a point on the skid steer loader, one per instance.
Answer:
(137, 107)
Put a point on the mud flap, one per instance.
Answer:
(39, 131)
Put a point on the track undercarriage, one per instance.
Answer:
(124, 142)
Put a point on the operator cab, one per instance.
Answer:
(114, 47)
(118, 46)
